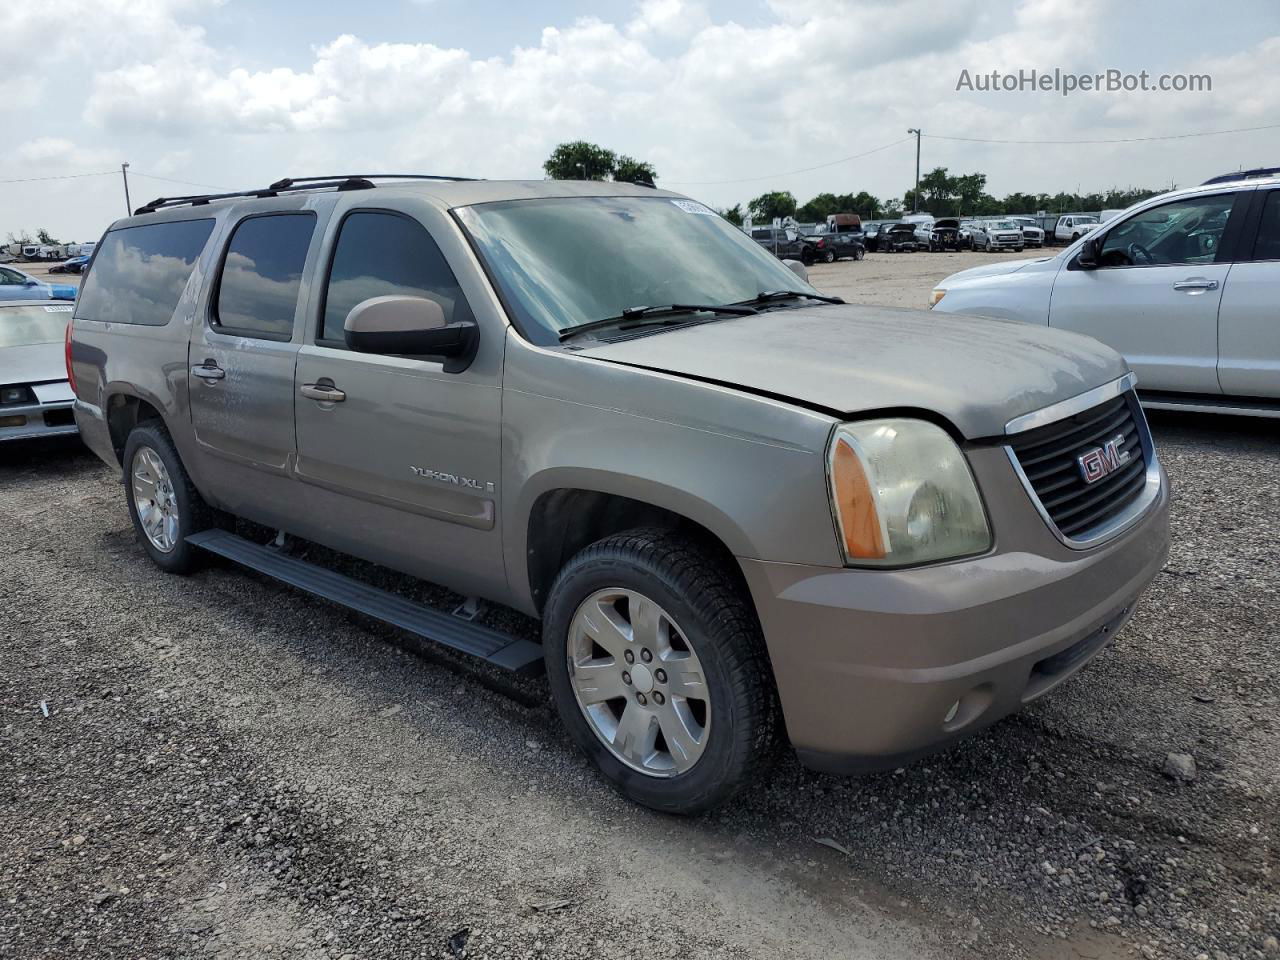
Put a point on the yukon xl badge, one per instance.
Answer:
(457, 480)
(1101, 461)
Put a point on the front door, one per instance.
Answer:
(241, 367)
(400, 459)
(1249, 319)
(1154, 295)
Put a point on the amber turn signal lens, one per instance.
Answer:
(859, 522)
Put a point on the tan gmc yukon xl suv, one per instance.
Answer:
(744, 512)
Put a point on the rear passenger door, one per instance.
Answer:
(1249, 315)
(241, 365)
(399, 459)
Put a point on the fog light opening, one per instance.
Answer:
(13, 421)
(968, 708)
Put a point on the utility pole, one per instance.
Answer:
(915, 197)
(124, 175)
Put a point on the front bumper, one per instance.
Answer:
(49, 416)
(878, 667)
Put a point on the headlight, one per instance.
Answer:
(16, 395)
(902, 494)
(937, 295)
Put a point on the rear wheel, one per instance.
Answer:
(829, 257)
(657, 667)
(163, 503)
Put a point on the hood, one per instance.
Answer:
(976, 372)
(33, 363)
(998, 269)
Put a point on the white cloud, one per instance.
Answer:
(59, 154)
(800, 83)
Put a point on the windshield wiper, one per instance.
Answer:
(638, 314)
(769, 296)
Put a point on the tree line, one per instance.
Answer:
(941, 192)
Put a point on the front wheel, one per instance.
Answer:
(859, 253)
(658, 669)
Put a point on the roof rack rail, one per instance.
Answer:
(1255, 174)
(357, 181)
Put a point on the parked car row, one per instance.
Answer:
(810, 243)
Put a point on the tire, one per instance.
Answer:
(704, 610)
(859, 254)
(1017, 249)
(829, 257)
(189, 511)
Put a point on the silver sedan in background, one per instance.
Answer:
(35, 396)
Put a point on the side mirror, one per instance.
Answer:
(31, 282)
(1087, 258)
(798, 268)
(410, 326)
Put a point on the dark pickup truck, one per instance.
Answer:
(829, 247)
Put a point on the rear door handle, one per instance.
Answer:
(324, 392)
(1196, 284)
(208, 371)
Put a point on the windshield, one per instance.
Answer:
(564, 261)
(1004, 225)
(36, 323)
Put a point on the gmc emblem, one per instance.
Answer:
(1101, 461)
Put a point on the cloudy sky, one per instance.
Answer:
(726, 99)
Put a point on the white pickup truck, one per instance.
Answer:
(1073, 226)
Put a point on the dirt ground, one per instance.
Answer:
(218, 766)
(899, 279)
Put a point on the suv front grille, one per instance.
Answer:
(1049, 459)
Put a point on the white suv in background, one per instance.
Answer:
(1185, 285)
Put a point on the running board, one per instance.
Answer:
(499, 649)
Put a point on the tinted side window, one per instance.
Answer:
(139, 273)
(1267, 246)
(262, 273)
(384, 254)
(1182, 232)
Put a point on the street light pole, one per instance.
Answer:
(124, 175)
(915, 197)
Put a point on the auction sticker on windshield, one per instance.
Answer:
(692, 206)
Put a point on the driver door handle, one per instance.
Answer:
(1197, 284)
(208, 371)
(324, 392)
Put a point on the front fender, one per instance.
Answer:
(750, 470)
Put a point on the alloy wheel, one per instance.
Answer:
(154, 499)
(638, 682)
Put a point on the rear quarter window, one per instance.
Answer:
(139, 272)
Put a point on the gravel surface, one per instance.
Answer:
(219, 766)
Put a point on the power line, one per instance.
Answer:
(1171, 136)
(64, 176)
(788, 173)
(185, 183)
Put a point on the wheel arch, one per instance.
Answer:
(563, 517)
(124, 409)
